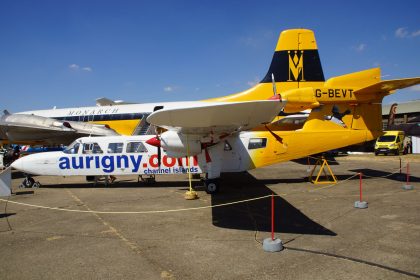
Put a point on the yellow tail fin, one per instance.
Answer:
(295, 64)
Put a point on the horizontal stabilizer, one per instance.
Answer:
(386, 87)
(103, 101)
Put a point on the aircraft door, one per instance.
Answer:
(231, 156)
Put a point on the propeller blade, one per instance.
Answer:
(159, 153)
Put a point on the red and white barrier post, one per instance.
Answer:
(407, 185)
(360, 203)
(272, 244)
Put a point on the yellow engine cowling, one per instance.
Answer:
(299, 99)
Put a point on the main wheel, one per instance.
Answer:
(212, 186)
(28, 182)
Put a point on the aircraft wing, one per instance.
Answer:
(386, 87)
(217, 117)
(23, 128)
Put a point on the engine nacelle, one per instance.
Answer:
(299, 99)
(176, 144)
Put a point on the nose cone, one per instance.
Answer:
(18, 164)
(155, 141)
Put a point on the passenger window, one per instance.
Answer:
(227, 147)
(92, 148)
(72, 148)
(115, 148)
(136, 147)
(257, 143)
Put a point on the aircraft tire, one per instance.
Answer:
(212, 186)
(28, 182)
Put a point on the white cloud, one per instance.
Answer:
(74, 67)
(403, 32)
(415, 33)
(168, 89)
(361, 47)
(414, 88)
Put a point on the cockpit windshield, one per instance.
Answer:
(73, 148)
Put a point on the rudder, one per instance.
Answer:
(295, 64)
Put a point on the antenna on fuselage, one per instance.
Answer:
(274, 84)
(275, 94)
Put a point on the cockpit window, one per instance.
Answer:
(136, 147)
(114, 148)
(257, 143)
(73, 148)
(92, 148)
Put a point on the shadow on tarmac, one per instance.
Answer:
(367, 172)
(256, 215)
(117, 185)
(311, 160)
(5, 215)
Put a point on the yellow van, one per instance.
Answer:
(390, 143)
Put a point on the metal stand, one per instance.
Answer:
(323, 164)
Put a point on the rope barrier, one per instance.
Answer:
(191, 208)
(397, 170)
(138, 212)
(169, 210)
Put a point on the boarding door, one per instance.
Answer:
(231, 156)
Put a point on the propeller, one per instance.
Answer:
(155, 141)
(336, 112)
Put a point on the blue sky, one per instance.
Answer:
(68, 53)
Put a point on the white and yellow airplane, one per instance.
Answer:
(295, 64)
(227, 135)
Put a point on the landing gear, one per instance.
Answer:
(147, 179)
(212, 186)
(29, 182)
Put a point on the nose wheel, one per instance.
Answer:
(29, 182)
(212, 186)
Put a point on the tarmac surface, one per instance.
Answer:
(324, 236)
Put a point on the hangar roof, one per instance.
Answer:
(403, 107)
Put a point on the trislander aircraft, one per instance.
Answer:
(226, 135)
